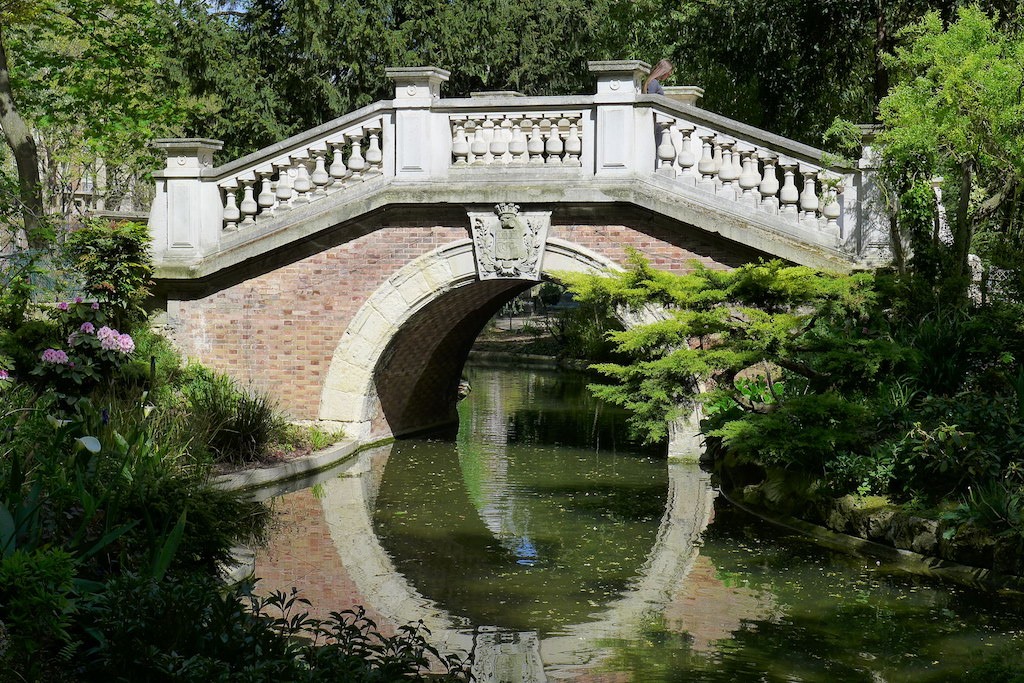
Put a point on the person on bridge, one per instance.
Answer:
(661, 71)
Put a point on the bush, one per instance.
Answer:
(193, 629)
(238, 426)
(114, 263)
(36, 607)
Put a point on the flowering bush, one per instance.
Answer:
(93, 350)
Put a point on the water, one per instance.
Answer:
(550, 546)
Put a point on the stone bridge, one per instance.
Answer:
(348, 270)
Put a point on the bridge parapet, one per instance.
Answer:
(566, 146)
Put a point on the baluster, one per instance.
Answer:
(478, 148)
(460, 145)
(488, 137)
(727, 172)
(808, 198)
(374, 156)
(266, 199)
(706, 165)
(749, 177)
(554, 146)
(573, 143)
(319, 177)
(356, 163)
(666, 152)
(789, 195)
(249, 207)
(231, 210)
(718, 156)
(535, 145)
(684, 156)
(498, 145)
(506, 135)
(737, 166)
(831, 210)
(517, 145)
(338, 170)
(302, 183)
(283, 191)
(769, 186)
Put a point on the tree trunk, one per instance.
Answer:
(964, 230)
(23, 146)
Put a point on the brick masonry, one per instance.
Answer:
(275, 325)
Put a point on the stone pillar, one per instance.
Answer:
(187, 215)
(625, 133)
(423, 140)
(874, 239)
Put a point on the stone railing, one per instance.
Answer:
(313, 170)
(616, 135)
(742, 168)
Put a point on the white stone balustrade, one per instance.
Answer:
(616, 137)
(752, 174)
(536, 139)
(311, 171)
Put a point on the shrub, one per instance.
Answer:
(36, 607)
(114, 263)
(238, 425)
(192, 629)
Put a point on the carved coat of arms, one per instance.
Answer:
(509, 243)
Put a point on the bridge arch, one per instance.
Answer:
(396, 366)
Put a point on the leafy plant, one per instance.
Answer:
(239, 425)
(114, 264)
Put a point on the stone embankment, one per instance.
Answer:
(916, 540)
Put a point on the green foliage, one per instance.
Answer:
(237, 426)
(36, 601)
(89, 76)
(114, 264)
(955, 114)
(301, 438)
(858, 383)
(192, 629)
(715, 324)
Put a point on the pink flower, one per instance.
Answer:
(4, 374)
(63, 305)
(55, 356)
(78, 299)
(112, 340)
(126, 343)
(87, 327)
(95, 306)
(71, 365)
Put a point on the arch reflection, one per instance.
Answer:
(529, 571)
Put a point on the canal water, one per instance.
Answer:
(547, 545)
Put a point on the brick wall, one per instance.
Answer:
(275, 326)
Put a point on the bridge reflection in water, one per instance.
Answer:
(521, 543)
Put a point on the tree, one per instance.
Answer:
(19, 137)
(82, 90)
(956, 113)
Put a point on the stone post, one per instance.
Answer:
(626, 141)
(687, 94)
(423, 140)
(875, 241)
(187, 214)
